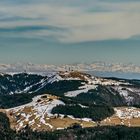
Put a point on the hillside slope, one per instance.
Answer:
(79, 86)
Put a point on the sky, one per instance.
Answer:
(69, 31)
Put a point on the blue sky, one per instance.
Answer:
(69, 31)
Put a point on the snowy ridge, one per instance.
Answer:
(32, 83)
(82, 89)
(54, 78)
(125, 93)
(92, 83)
(38, 116)
(127, 113)
(40, 108)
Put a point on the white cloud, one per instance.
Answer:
(121, 21)
(103, 26)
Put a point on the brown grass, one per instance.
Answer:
(58, 122)
(74, 74)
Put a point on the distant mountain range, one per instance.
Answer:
(95, 66)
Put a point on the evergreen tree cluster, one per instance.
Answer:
(97, 113)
